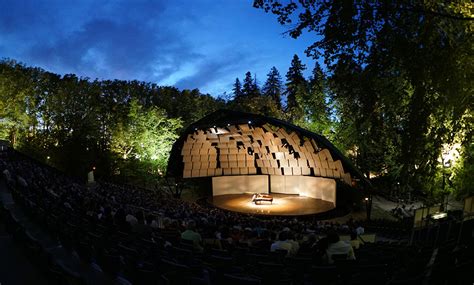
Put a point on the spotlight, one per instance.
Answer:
(93, 167)
(48, 157)
(366, 198)
(250, 122)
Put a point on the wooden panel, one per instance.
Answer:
(274, 163)
(264, 170)
(188, 165)
(224, 164)
(329, 173)
(196, 165)
(186, 173)
(252, 170)
(287, 171)
(296, 171)
(337, 173)
(235, 171)
(331, 165)
(227, 171)
(195, 173)
(187, 158)
(339, 166)
(203, 172)
(223, 138)
(324, 164)
(241, 156)
(232, 129)
(305, 171)
(185, 151)
(233, 164)
(218, 172)
(323, 172)
(232, 157)
(284, 163)
(259, 163)
(233, 151)
(293, 162)
(244, 170)
(204, 165)
(317, 171)
(212, 151)
(266, 163)
(311, 163)
(212, 164)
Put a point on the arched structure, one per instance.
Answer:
(248, 153)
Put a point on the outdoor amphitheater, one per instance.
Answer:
(281, 206)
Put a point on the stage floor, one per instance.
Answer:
(283, 205)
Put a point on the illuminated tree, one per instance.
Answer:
(146, 135)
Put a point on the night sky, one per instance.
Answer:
(201, 44)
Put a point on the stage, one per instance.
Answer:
(282, 205)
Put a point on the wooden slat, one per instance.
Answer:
(186, 173)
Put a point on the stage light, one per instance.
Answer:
(48, 157)
(250, 122)
(366, 198)
(93, 167)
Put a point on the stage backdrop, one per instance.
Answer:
(223, 185)
(314, 187)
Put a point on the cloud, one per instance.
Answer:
(124, 40)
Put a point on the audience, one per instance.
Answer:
(338, 247)
(190, 234)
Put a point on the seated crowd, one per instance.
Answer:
(149, 231)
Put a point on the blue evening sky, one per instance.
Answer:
(201, 44)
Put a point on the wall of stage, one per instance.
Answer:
(314, 187)
(224, 185)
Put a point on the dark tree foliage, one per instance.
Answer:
(295, 87)
(400, 78)
(273, 86)
(237, 89)
(74, 123)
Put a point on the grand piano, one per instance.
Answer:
(259, 198)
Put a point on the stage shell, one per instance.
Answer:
(248, 153)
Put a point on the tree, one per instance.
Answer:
(295, 88)
(272, 87)
(413, 61)
(250, 87)
(16, 101)
(314, 104)
(144, 138)
(237, 89)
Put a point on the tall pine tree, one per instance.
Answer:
(272, 87)
(237, 89)
(295, 87)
